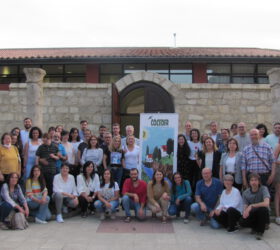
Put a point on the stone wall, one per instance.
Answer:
(64, 103)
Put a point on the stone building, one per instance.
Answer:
(107, 85)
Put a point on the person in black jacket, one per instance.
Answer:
(183, 161)
(210, 157)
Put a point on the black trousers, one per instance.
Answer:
(257, 219)
(229, 218)
(49, 182)
(84, 204)
(195, 174)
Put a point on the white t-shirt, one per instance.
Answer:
(233, 199)
(106, 192)
(230, 162)
(83, 186)
(60, 186)
(24, 136)
(194, 147)
(131, 158)
(209, 160)
(69, 152)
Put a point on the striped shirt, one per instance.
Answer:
(33, 188)
(251, 162)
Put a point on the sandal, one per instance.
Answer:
(127, 219)
(163, 220)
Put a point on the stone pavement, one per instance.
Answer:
(78, 233)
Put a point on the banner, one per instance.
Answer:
(158, 144)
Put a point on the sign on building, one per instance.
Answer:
(158, 144)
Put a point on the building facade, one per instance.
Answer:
(107, 85)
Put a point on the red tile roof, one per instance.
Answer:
(136, 52)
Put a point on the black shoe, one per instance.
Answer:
(232, 230)
(259, 236)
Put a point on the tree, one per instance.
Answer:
(147, 150)
(159, 154)
(170, 146)
(155, 153)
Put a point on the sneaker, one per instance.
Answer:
(113, 216)
(232, 230)
(127, 219)
(259, 236)
(277, 220)
(203, 222)
(3, 226)
(186, 221)
(102, 216)
(59, 218)
(84, 214)
(65, 210)
(37, 220)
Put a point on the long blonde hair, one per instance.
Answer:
(204, 149)
(112, 147)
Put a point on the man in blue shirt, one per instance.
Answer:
(207, 193)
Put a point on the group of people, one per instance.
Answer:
(98, 173)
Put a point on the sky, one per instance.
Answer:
(139, 23)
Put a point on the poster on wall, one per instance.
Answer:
(158, 144)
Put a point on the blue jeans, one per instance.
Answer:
(100, 207)
(117, 174)
(128, 204)
(184, 205)
(40, 211)
(5, 209)
(195, 208)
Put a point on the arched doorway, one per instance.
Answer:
(142, 97)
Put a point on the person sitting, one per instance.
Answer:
(207, 194)
(37, 196)
(108, 196)
(64, 192)
(87, 185)
(13, 200)
(134, 196)
(229, 210)
(256, 200)
(158, 195)
(181, 197)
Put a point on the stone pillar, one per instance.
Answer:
(274, 80)
(34, 94)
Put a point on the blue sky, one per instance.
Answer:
(92, 23)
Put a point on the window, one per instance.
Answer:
(131, 68)
(218, 73)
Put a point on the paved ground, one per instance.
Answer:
(89, 233)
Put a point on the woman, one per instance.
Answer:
(233, 129)
(180, 197)
(108, 196)
(12, 200)
(195, 146)
(59, 128)
(158, 195)
(277, 184)
(64, 192)
(30, 149)
(37, 196)
(87, 185)
(131, 155)
(18, 143)
(75, 140)
(9, 157)
(230, 163)
(209, 157)
(263, 131)
(115, 157)
(93, 153)
(230, 207)
(256, 201)
(183, 153)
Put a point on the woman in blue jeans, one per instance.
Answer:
(37, 196)
(181, 197)
(108, 196)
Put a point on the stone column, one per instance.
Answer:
(274, 80)
(34, 94)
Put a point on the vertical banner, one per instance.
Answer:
(158, 144)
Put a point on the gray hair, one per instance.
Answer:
(229, 177)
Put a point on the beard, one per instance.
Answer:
(27, 126)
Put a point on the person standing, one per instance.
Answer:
(102, 131)
(183, 154)
(207, 194)
(129, 129)
(242, 138)
(134, 196)
(188, 127)
(277, 184)
(258, 158)
(84, 144)
(233, 129)
(24, 133)
(83, 128)
(263, 131)
(214, 133)
(225, 135)
(273, 139)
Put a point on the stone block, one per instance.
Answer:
(251, 109)
(74, 109)
(195, 117)
(61, 110)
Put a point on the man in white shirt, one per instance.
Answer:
(273, 139)
(214, 133)
(24, 133)
(242, 137)
(129, 129)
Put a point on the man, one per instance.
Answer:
(207, 194)
(214, 133)
(83, 126)
(107, 141)
(273, 139)
(242, 138)
(258, 158)
(61, 151)
(134, 196)
(129, 129)
(24, 133)
(46, 157)
(225, 134)
(188, 127)
(83, 145)
(102, 130)
(116, 130)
